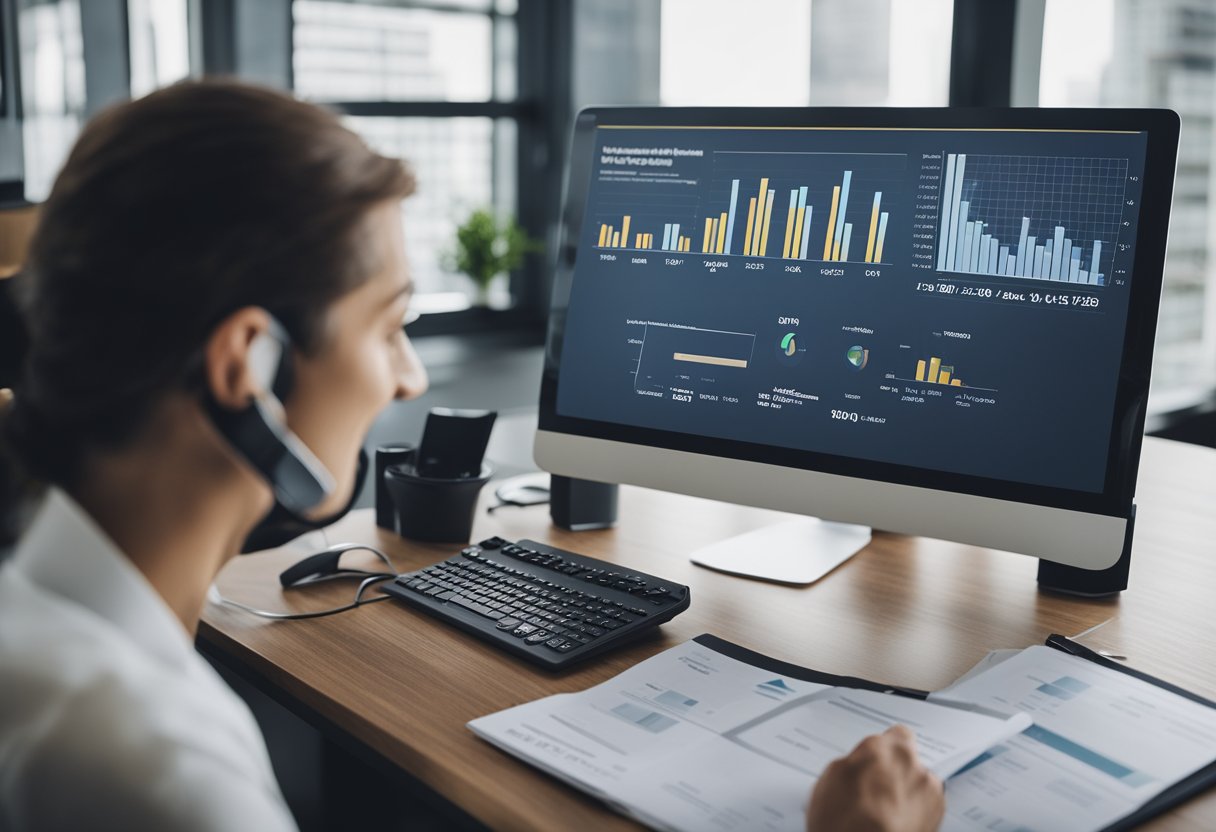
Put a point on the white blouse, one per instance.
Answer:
(108, 717)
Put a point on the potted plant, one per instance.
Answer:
(486, 248)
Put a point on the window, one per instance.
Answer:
(424, 82)
(159, 45)
(1155, 53)
(795, 52)
(51, 54)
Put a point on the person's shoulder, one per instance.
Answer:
(96, 734)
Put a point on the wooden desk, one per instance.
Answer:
(907, 611)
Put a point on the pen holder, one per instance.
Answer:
(434, 510)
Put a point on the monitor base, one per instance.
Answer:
(799, 551)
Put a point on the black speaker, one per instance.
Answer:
(582, 505)
(1090, 583)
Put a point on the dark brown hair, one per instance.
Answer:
(171, 213)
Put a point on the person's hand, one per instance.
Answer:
(879, 787)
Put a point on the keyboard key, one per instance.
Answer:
(538, 637)
(508, 623)
(523, 630)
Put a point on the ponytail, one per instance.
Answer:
(17, 488)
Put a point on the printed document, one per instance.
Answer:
(692, 739)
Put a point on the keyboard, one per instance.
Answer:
(546, 605)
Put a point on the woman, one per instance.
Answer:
(193, 239)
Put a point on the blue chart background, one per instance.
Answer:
(1054, 369)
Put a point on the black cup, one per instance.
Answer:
(434, 510)
(386, 455)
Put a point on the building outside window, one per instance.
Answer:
(1155, 53)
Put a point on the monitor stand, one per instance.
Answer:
(798, 551)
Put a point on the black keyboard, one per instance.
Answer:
(546, 605)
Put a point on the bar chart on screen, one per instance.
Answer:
(814, 206)
(1050, 218)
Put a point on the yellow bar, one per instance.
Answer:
(836, 250)
(713, 236)
(944, 376)
(759, 217)
(684, 241)
(796, 243)
(616, 239)
(827, 241)
(625, 232)
(789, 232)
(721, 233)
(603, 235)
(873, 233)
(751, 215)
(768, 216)
(920, 370)
(956, 383)
(709, 359)
(649, 241)
(637, 240)
(709, 227)
(935, 364)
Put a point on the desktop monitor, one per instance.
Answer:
(931, 321)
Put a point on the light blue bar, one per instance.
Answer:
(1074, 266)
(844, 244)
(1001, 257)
(947, 203)
(994, 248)
(959, 253)
(965, 255)
(730, 218)
(1095, 262)
(1083, 276)
(675, 236)
(1099, 280)
(1020, 267)
(1037, 269)
(793, 208)
(980, 266)
(1056, 250)
(1047, 264)
(844, 204)
(1027, 269)
(976, 237)
(882, 231)
(1087, 756)
(956, 221)
(806, 230)
(667, 237)
(1065, 256)
(1011, 264)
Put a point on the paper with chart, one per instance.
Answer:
(1102, 744)
(693, 739)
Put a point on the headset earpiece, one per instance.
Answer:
(259, 433)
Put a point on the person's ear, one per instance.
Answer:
(231, 364)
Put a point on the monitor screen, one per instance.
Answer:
(941, 299)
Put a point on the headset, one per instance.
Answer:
(259, 432)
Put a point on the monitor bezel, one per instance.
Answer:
(1123, 452)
